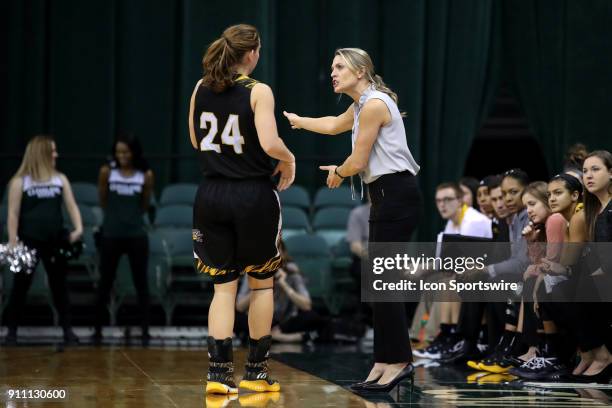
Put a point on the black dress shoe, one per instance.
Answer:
(359, 385)
(603, 377)
(406, 373)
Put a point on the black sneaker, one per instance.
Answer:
(500, 364)
(220, 376)
(434, 351)
(541, 368)
(257, 378)
(462, 351)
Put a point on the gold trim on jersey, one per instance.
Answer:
(246, 81)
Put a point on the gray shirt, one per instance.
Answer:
(357, 228)
(390, 153)
(519, 260)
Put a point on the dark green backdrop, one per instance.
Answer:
(83, 70)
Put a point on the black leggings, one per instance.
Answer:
(396, 206)
(56, 274)
(137, 250)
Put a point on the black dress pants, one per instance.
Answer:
(396, 206)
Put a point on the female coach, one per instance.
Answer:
(381, 157)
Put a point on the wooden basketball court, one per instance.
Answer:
(118, 376)
(134, 377)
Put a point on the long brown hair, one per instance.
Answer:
(592, 205)
(225, 52)
(37, 160)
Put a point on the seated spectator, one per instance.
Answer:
(469, 186)
(293, 314)
(483, 197)
(463, 220)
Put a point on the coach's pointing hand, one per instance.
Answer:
(333, 179)
(293, 119)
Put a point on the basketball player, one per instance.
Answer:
(237, 211)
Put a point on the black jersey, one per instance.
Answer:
(40, 215)
(123, 215)
(224, 125)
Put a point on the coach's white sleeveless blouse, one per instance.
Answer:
(390, 153)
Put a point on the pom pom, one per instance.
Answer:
(18, 258)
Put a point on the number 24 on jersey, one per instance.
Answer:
(230, 135)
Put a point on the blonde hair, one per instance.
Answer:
(225, 52)
(37, 160)
(356, 60)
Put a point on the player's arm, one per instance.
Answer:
(577, 237)
(192, 135)
(327, 125)
(262, 101)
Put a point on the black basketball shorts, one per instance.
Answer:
(236, 229)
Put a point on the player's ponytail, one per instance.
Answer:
(225, 53)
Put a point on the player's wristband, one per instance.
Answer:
(337, 174)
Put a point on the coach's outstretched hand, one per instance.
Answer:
(333, 181)
(287, 174)
(293, 119)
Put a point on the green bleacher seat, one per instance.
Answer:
(174, 216)
(88, 261)
(85, 193)
(180, 193)
(88, 217)
(295, 221)
(342, 255)
(295, 196)
(337, 197)
(187, 286)
(330, 223)
(346, 287)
